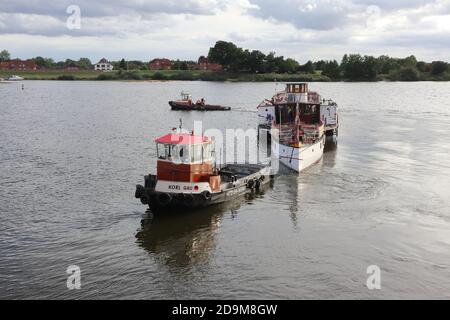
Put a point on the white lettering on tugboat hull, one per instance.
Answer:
(182, 187)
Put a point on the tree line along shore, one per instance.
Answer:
(239, 64)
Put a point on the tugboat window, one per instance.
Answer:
(163, 151)
(182, 153)
(160, 150)
(196, 153)
(207, 152)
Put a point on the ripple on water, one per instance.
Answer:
(346, 187)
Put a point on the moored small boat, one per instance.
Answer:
(14, 78)
(188, 178)
(186, 104)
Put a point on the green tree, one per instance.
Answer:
(85, 63)
(59, 64)
(387, 64)
(290, 65)
(225, 53)
(308, 67)
(4, 55)
(352, 66)
(423, 66)
(135, 65)
(408, 73)
(184, 66)
(410, 61)
(370, 70)
(44, 63)
(331, 69)
(69, 63)
(176, 65)
(123, 64)
(254, 60)
(271, 63)
(320, 65)
(357, 67)
(438, 67)
(180, 65)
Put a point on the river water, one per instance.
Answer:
(72, 152)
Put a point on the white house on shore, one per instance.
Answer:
(103, 65)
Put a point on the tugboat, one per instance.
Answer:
(186, 104)
(188, 177)
(297, 122)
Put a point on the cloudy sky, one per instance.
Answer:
(185, 29)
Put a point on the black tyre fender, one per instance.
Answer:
(188, 199)
(164, 199)
(257, 184)
(144, 200)
(207, 195)
(139, 191)
(250, 184)
(178, 198)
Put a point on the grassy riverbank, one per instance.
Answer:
(192, 75)
(189, 75)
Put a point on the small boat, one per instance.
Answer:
(14, 78)
(186, 104)
(4, 81)
(187, 176)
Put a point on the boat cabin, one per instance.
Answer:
(186, 97)
(296, 88)
(186, 158)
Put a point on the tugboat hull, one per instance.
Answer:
(196, 107)
(239, 185)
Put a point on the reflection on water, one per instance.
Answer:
(330, 153)
(180, 240)
(186, 239)
(294, 185)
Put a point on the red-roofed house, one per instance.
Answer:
(18, 64)
(160, 64)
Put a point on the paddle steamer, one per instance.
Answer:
(297, 122)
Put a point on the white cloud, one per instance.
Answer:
(303, 29)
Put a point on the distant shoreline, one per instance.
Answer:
(188, 75)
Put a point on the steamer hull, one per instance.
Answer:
(299, 159)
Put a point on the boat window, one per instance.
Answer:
(197, 153)
(207, 151)
(180, 154)
(162, 151)
(165, 151)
